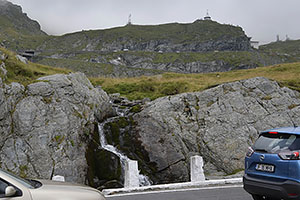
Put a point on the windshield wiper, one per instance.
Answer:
(34, 183)
(261, 150)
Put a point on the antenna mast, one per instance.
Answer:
(129, 20)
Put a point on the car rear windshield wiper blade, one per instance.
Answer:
(261, 150)
(34, 183)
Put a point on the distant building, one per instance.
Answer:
(254, 44)
(29, 54)
(207, 17)
(277, 38)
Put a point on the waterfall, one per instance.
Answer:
(143, 180)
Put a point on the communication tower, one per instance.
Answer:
(129, 20)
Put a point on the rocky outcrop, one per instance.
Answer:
(219, 124)
(132, 64)
(3, 71)
(178, 66)
(240, 43)
(46, 127)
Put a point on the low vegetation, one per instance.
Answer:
(18, 71)
(288, 51)
(155, 86)
(172, 83)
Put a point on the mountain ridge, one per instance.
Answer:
(9, 12)
(134, 50)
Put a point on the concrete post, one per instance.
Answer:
(58, 178)
(197, 173)
(131, 174)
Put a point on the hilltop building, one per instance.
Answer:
(254, 44)
(207, 17)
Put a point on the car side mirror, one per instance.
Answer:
(10, 191)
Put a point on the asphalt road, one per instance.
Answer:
(224, 193)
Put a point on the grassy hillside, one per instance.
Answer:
(17, 30)
(20, 72)
(154, 86)
(288, 51)
(171, 83)
(83, 61)
(199, 31)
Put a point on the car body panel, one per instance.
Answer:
(285, 130)
(65, 191)
(52, 190)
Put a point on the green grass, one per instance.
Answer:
(172, 83)
(26, 73)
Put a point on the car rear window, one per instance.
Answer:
(275, 143)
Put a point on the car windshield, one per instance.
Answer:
(275, 143)
(24, 182)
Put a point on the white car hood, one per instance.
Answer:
(54, 190)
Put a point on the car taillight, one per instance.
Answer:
(250, 152)
(289, 155)
(273, 133)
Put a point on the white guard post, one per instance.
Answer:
(58, 178)
(197, 173)
(131, 174)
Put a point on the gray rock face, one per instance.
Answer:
(22, 59)
(219, 124)
(3, 70)
(138, 62)
(47, 126)
(240, 43)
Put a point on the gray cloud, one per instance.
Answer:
(261, 19)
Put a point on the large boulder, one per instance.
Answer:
(218, 124)
(47, 127)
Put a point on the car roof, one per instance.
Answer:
(287, 130)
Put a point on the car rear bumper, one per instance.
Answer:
(277, 190)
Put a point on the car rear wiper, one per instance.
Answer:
(34, 183)
(261, 150)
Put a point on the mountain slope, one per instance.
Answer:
(12, 17)
(135, 50)
(13, 68)
(200, 36)
(17, 30)
(287, 51)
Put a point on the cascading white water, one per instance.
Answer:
(143, 180)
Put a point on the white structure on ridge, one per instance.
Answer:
(254, 44)
(129, 20)
(207, 17)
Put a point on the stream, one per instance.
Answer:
(143, 180)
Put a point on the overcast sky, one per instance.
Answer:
(261, 19)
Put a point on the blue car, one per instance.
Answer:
(272, 165)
